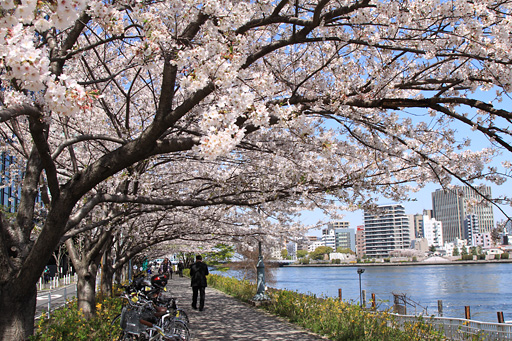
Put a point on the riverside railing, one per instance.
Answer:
(462, 329)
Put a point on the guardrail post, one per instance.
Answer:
(374, 302)
(500, 317)
(65, 294)
(467, 313)
(339, 294)
(49, 304)
(364, 298)
(440, 307)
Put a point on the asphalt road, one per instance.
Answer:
(52, 299)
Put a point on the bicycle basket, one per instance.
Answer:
(130, 321)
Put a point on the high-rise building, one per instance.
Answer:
(386, 230)
(433, 230)
(452, 206)
(417, 226)
(471, 228)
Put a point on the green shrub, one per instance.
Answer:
(505, 255)
(467, 257)
(481, 257)
(336, 261)
(241, 289)
(68, 323)
(387, 260)
(497, 256)
(186, 272)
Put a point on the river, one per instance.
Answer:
(485, 288)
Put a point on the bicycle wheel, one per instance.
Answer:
(181, 329)
(174, 327)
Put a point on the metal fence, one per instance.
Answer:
(55, 282)
(462, 329)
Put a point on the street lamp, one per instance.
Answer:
(359, 272)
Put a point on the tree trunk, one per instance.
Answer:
(17, 310)
(107, 274)
(86, 293)
(118, 275)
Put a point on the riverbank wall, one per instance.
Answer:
(370, 264)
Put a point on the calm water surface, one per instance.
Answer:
(486, 288)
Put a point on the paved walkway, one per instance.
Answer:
(225, 318)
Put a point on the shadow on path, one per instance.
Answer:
(226, 318)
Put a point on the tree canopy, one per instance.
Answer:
(260, 109)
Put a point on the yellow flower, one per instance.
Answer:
(98, 306)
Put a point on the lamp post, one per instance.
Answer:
(260, 282)
(359, 272)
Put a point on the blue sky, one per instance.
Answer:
(424, 197)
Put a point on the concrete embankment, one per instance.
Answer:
(363, 264)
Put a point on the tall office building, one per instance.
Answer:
(451, 208)
(386, 231)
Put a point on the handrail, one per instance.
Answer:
(462, 329)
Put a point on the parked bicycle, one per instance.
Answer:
(149, 315)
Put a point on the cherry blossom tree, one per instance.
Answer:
(291, 105)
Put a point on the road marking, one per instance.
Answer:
(42, 298)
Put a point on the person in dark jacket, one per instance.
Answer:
(198, 273)
(166, 268)
(181, 266)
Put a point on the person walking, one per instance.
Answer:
(165, 268)
(198, 273)
(180, 268)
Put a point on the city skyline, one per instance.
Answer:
(423, 202)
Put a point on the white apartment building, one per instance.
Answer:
(457, 243)
(312, 247)
(482, 239)
(471, 228)
(291, 248)
(386, 230)
(433, 231)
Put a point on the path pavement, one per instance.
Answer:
(226, 318)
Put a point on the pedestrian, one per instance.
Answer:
(180, 268)
(165, 268)
(145, 263)
(198, 273)
(46, 274)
